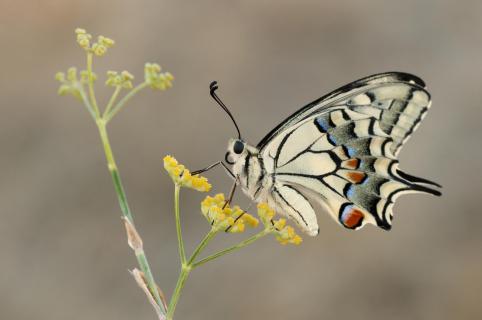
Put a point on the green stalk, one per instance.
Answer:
(204, 242)
(185, 270)
(93, 101)
(112, 100)
(122, 102)
(231, 249)
(84, 98)
(111, 164)
(182, 253)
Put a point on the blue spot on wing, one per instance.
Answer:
(332, 139)
(365, 181)
(345, 213)
(351, 152)
(350, 192)
(322, 124)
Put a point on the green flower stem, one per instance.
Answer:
(122, 102)
(233, 248)
(93, 101)
(112, 166)
(141, 257)
(182, 253)
(85, 99)
(204, 242)
(185, 270)
(112, 100)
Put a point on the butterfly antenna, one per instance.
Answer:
(212, 88)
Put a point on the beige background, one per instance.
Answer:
(62, 245)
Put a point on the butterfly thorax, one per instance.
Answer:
(249, 170)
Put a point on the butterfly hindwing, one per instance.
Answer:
(296, 205)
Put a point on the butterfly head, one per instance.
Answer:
(236, 149)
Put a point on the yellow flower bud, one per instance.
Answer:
(63, 90)
(280, 224)
(237, 227)
(84, 42)
(169, 76)
(126, 75)
(104, 41)
(265, 213)
(72, 74)
(288, 235)
(99, 49)
(60, 76)
(250, 220)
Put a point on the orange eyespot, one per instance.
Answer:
(352, 163)
(351, 218)
(356, 177)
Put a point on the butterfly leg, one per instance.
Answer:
(207, 168)
(215, 165)
(230, 198)
(231, 194)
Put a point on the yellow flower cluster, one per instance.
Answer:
(284, 234)
(68, 83)
(224, 217)
(84, 76)
(99, 48)
(124, 79)
(157, 79)
(181, 176)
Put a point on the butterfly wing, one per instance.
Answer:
(340, 151)
(399, 100)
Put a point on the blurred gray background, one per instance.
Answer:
(62, 244)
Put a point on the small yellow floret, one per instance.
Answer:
(106, 42)
(288, 235)
(60, 76)
(126, 75)
(156, 79)
(280, 224)
(181, 176)
(250, 220)
(99, 49)
(237, 227)
(265, 213)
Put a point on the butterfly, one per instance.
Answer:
(338, 153)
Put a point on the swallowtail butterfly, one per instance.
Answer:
(339, 153)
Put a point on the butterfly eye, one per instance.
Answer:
(238, 147)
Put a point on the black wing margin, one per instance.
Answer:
(329, 99)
